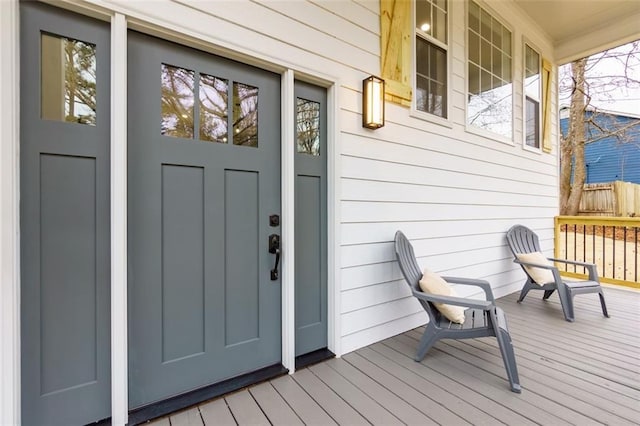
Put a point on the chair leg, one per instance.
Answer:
(508, 355)
(525, 290)
(547, 294)
(604, 305)
(566, 300)
(428, 339)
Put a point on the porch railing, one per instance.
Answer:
(609, 242)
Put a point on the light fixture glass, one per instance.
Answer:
(425, 27)
(372, 102)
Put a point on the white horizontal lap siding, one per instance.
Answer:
(453, 192)
(252, 32)
(364, 233)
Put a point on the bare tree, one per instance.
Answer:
(582, 85)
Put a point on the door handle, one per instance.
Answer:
(274, 248)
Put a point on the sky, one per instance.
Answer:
(605, 74)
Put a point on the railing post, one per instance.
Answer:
(556, 238)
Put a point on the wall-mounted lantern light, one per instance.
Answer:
(372, 102)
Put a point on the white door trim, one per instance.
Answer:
(288, 222)
(119, 349)
(334, 152)
(9, 213)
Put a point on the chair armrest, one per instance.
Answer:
(458, 301)
(556, 272)
(535, 265)
(483, 284)
(592, 268)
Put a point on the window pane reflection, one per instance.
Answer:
(431, 78)
(68, 80)
(490, 81)
(213, 108)
(177, 102)
(245, 115)
(308, 127)
(532, 123)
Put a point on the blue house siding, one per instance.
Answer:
(611, 158)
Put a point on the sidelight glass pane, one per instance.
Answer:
(308, 126)
(68, 80)
(177, 102)
(213, 108)
(245, 115)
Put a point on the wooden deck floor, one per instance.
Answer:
(581, 373)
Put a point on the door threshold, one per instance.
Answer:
(313, 358)
(197, 396)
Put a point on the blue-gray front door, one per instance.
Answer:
(64, 217)
(204, 179)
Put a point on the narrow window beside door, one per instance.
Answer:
(308, 126)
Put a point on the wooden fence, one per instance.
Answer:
(617, 198)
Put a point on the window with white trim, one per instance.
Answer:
(490, 79)
(532, 97)
(431, 57)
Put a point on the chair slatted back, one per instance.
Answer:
(411, 270)
(522, 240)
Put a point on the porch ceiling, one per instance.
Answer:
(580, 28)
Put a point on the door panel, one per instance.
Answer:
(64, 217)
(311, 218)
(204, 176)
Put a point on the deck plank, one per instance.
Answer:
(397, 406)
(217, 413)
(162, 421)
(335, 406)
(491, 382)
(548, 383)
(245, 409)
(305, 407)
(190, 417)
(561, 404)
(365, 405)
(276, 409)
(392, 363)
(497, 412)
(436, 412)
(474, 390)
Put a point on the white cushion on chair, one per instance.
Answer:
(433, 283)
(540, 276)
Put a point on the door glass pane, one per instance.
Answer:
(245, 115)
(213, 108)
(68, 80)
(308, 127)
(177, 102)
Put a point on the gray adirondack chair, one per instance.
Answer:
(523, 240)
(483, 317)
